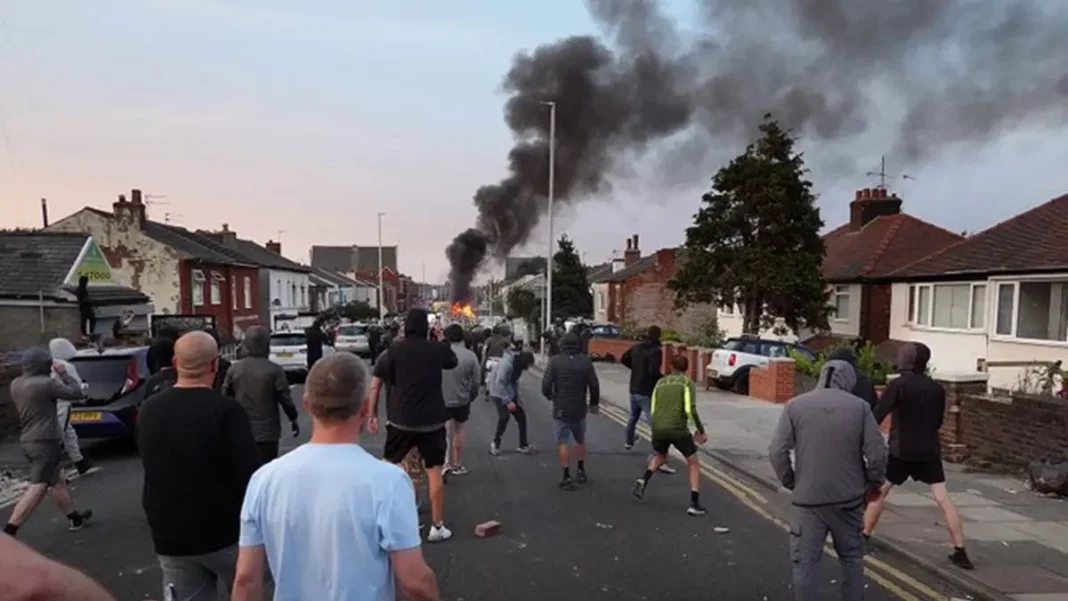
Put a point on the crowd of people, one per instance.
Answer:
(225, 511)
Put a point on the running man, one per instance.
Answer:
(62, 352)
(918, 406)
(504, 393)
(568, 378)
(460, 387)
(672, 409)
(643, 360)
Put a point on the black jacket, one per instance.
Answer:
(643, 360)
(569, 376)
(260, 387)
(496, 345)
(864, 387)
(918, 406)
(411, 369)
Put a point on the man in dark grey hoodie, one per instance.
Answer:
(840, 460)
(260, 387)
(864, 388)
(568, 378)
(34, 394)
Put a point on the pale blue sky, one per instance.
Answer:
(312, 119)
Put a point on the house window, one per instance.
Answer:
(303, 298)
(1006, 308)
(911, 315)
(292, 294)
(727, 308)
(197, 284)
(233, 293)
(1042, 311)
(216, 291)
(248, 292)
(923, 306)
(978, 313)
(841, 303)
(600, 299)
(950, 306)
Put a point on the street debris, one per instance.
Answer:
(605, 526)
(488, 529)
(721, 530)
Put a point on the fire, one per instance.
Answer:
(459, 309)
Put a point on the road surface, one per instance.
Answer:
(596, 542)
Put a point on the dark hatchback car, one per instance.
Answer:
(115, 378)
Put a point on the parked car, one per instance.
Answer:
(730, 364)
(352, 338)
(290, 350)
(113, 378)
(604, 330)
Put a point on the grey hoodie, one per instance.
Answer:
(63, 351)
(459, 386)
(35, 393)
(260, 386)
(839, 450)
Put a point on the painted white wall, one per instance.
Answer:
(600, 301)
(291, 290)
(731, 324)
(849, 323)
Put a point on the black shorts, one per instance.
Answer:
(684, 444)
(431, 445)
(929, 472)
(459, 414)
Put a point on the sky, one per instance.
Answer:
(305, 120)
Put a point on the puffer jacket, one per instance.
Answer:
(260, 387)
(568, 378)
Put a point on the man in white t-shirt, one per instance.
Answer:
(331, 520)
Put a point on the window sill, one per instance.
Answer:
(836, 320)
(939, 330)
(1029, 341)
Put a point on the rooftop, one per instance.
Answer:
(882, 246)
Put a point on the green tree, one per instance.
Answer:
(357, 311)
(755, 240)
(522, 303)
(571, 291)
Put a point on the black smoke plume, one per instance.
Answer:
(920, 74)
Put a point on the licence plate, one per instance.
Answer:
(285, 355)
(712, 373)
(81, 417)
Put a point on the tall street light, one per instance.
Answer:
(547, 303)
(381, 307)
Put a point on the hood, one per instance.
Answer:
(417, 324)
(36, 362)
(570, 344)
(838, 374)
(913, 358)
(843, 353)
(62, 349)
(257, 342)
(160, 354)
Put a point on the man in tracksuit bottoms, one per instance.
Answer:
(840, 463)
(504, 393)
(672, 409)
(643, 361)
(569, 376)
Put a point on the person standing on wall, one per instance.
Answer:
(86, 313)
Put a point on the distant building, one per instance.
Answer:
(347, 259)
(517, 267)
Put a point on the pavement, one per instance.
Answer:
(1018, 539)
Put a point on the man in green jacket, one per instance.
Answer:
(672, 408)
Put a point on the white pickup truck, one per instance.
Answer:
(730, 364)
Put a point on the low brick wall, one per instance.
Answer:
(775, 382)
(9, 419)
(1013, 430)
(603, 347)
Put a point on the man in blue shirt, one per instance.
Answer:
(332, 521)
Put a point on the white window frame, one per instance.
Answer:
(995, 284)
(248, 292)
(196, 287)
(215, 288)
(233, 293)
(913, 318)
(839, 290)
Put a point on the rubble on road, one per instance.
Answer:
(488, 529)
(11, 488)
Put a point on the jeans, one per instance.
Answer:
(638, 404)
(503, 416)
(66, 432)
(199, 577)
(808, 532)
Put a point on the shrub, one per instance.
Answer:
(708, 334)
(866, 364)
(670, 336)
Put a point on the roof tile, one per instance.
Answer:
(882, 246)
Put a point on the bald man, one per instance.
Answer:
(199, 453)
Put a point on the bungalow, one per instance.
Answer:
(996, 301)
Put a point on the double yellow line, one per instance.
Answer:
(898, 583)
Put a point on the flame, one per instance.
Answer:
(459, 309)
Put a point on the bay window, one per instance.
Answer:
(1033, 310)
(949, 306)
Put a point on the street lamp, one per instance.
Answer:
(381, 307)
(547, 302)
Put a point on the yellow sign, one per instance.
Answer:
(93, 265)
(82, 417)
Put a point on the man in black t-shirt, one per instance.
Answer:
(415, 408)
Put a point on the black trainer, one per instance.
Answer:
(961, 560)
(639, 488)
(566, 483)
(580, 477)
(79, 520)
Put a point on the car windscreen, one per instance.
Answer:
(288, 340)
(101, 370)
(352, 331)
(734, 344)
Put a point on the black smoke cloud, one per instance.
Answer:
(920, 74)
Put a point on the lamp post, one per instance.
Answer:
(381, 306)
(547, 303)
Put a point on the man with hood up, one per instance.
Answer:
(34, 394)
(62, 352)
(161, 366)
(918, 406)
(260, 387)
(568, 379)
(864, 389)
(840, 462)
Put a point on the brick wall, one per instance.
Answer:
(9, 419)
(603, 347)
(775, 382)
(954, 447)
(646, 300)
(20, 326)
(1013, 431)
(875, 322)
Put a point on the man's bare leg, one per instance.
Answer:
(27, 504)
(457, 443)
(875, 509)
(61, 493)
(949, 512)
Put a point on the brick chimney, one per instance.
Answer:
(275, 247)
(226, 235)
(869, 204)
(130, 213)
(633, 253)
(665, 261)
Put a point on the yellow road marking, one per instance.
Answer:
(753, 500)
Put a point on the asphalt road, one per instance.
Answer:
(596, 542)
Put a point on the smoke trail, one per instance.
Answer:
(925, 74)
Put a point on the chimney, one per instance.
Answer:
(226, 235)
(130, 213)
(44, 212)
(633, 253)
(665, 261)
(870, 203)
(275, 247)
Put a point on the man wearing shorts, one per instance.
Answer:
(415, 411)
(917, 404)
(460, 387)
(568, 378)
(672, 409)
(35, 393)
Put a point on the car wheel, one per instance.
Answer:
(741, 382)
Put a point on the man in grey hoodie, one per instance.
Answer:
(567, 380)
(260, 387)
(62, 352)
(840, 462)
(35, 394)
(460, 387)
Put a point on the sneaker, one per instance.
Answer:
(89, 470)
(628, 446)
(79, 521)
(438, 534)
(696, 510)
(960, 559)
(580, 477)
(525, 450)
(639, 488)
(666, 469)
(458, 470)
(495, 448)
(567, 483)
